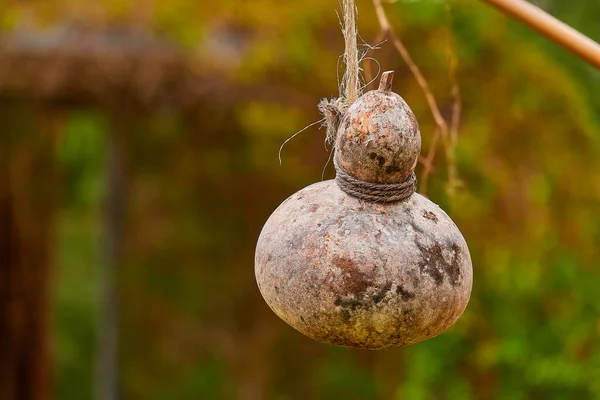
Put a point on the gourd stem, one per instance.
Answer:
(385, 84)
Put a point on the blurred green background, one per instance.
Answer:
(139, 142)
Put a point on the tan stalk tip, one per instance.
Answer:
(385, 83)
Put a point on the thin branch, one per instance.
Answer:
(442, 125)
(456, 103)
(427, 162)
(414, 69)
(453, 180)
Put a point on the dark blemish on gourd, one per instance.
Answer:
(404, 294)
(430, 216)
(390, 169)
(313, 207)
(434, 264)
(380, 294)
(345, 315)
(454, 268)
(415, 280)
(350, 303)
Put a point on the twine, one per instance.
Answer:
(373, 191)
(351, 77)
(333, 109)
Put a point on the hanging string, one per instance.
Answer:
(350, 87)
(351, 77)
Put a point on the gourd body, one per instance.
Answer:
(355, 273)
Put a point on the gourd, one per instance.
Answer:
(363, 260)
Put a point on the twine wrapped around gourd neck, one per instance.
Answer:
(374, 191)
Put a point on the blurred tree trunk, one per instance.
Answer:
(27, 201)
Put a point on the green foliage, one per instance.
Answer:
(339, 377)
(80, 154)
(206, 380)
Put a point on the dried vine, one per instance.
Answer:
(448, 131)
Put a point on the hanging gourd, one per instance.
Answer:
(363, 260)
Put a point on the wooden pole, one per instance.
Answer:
(552, 28)
(107, 358)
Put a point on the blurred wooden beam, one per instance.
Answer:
(75, 67)
(552, 28)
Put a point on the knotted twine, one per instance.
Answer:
(334, 109)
